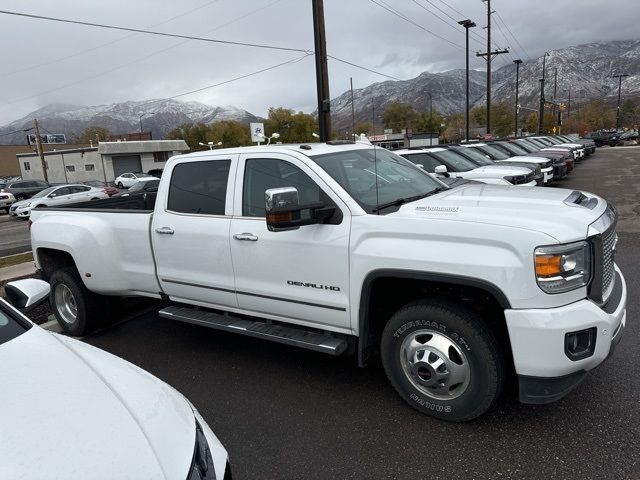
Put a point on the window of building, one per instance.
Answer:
(160, 156)
(199, 187)
(89, 167)
(70, 168)
(27, 166)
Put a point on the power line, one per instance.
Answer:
(150, 32)
(17, 131)
(363, 68)
(455, 20)
(407, 19)
(138, 59)
(513, 36)
(272, 67)
(97, 47)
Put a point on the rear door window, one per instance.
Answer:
(199, 187)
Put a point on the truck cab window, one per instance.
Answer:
(263, 173)
(199, 187)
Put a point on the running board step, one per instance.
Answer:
(289, 335)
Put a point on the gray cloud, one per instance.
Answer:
(117, 66)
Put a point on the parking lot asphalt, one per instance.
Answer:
(286, 413)
(14, 235)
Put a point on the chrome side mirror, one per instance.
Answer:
(27, 294)
(282, 208)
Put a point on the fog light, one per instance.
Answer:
(581, 344)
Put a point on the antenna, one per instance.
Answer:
(375, 158)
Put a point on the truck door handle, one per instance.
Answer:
(164, 230)
(247, 237)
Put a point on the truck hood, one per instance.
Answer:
(499, 170)
(539, 209)
(72, 411)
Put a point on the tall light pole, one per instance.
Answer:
(143, 115)
(517, 62)
(430, 119)
(467, 24)
(541, 114)
(619, 77)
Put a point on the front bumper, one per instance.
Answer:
(560, 171)
(20, 212)
(545, 371)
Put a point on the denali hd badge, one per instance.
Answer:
(435, 209)
(313, 285)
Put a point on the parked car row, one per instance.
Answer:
(18, 198)
(525, 161)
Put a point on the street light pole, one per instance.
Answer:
(430, 119)
(144, 114)
(517, 62)
(467, 24)
(619, 77)
(541, 114)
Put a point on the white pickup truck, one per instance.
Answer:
(346, 248)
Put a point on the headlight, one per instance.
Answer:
(516, 179)
(202, 465)
(561, 268)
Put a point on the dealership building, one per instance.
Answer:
(104, 162)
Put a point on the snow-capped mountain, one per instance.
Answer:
(586, 70)
(159, 116)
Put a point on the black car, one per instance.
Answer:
(141, 187)
(602, 137)
(24, 189)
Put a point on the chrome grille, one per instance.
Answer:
(609, 239)
(603, 241)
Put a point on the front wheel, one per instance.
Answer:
(442, 360)
(119, 185)
(78, 310)
(20, 197)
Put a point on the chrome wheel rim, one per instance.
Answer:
(435, 364)
(65, 304)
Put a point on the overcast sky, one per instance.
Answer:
(46, 62)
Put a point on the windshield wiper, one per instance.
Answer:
(401, 201)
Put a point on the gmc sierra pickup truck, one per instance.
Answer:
(342, 247)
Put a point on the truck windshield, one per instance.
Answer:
(475, 155)
(512, 148)
(456, 161)
(375, 176)
(493, 152)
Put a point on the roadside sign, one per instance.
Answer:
(51, 138)
(257, 132)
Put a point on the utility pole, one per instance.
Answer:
(517, 62)
(619, 77)
(40, 150)
(322, 75)
(541, 114)
(467, 24)
(430, 119)
(353, 112)
(489, 55)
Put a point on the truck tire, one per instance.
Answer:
(77, 310)
(442, 360)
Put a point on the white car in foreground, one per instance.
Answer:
(126, 180)
(72, 411)
(6, 200)
(56, 196)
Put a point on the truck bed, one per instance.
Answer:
(142, 202)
